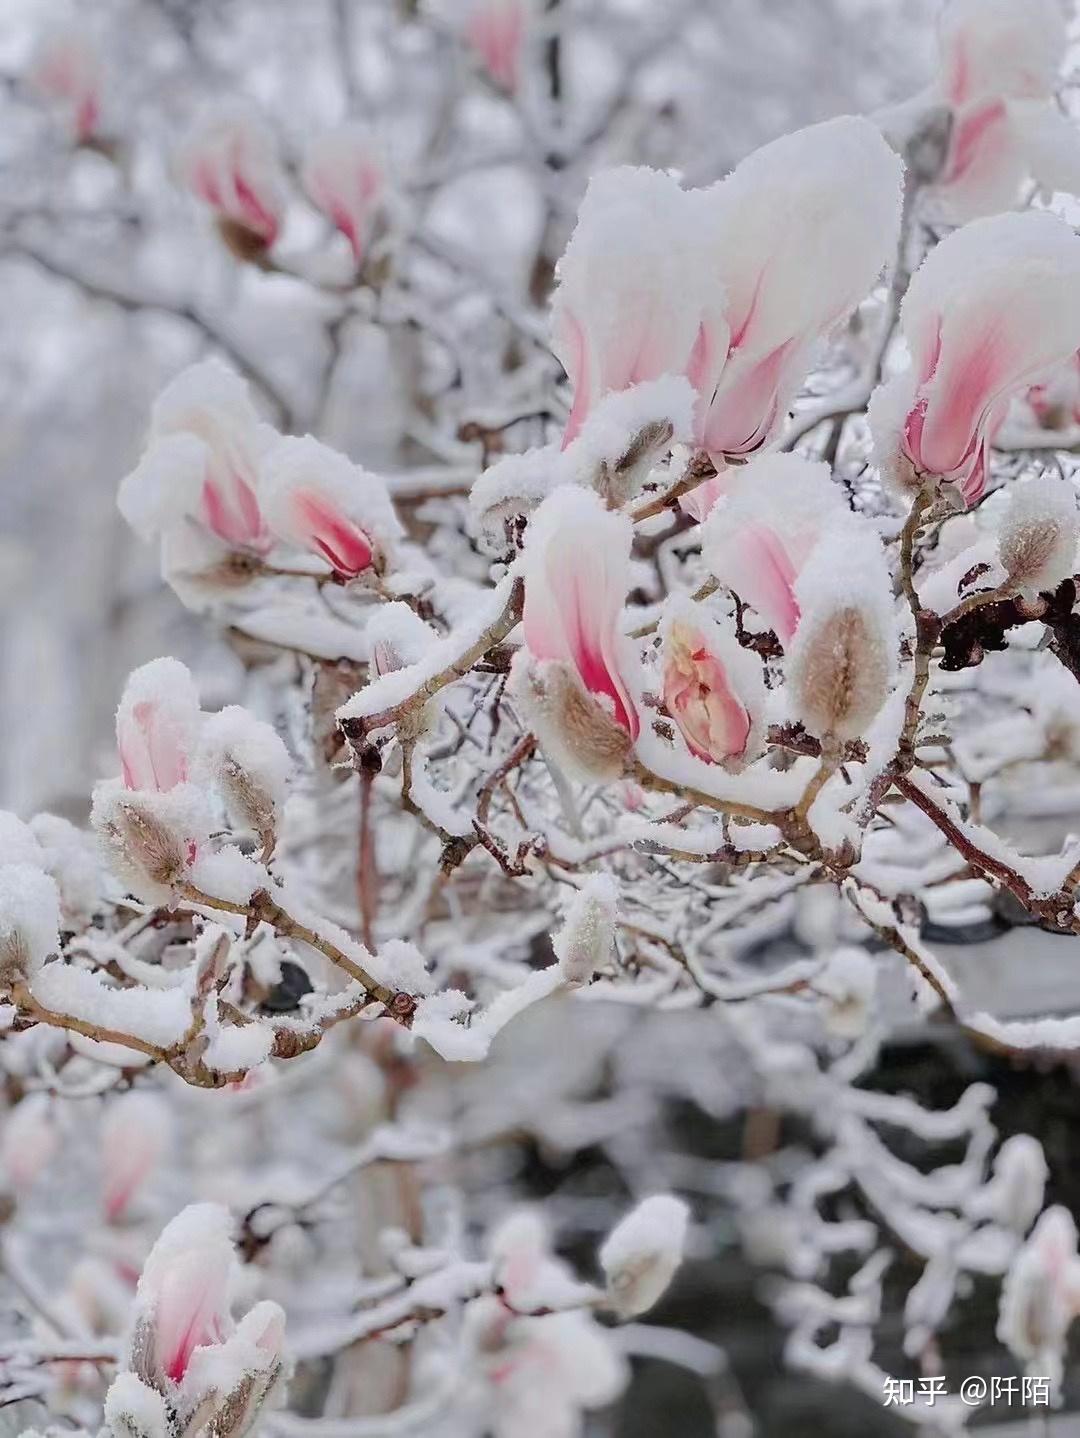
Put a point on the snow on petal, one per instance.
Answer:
(712, 687)
(794, 257)
(344, 176)
(577, 574)
(626, 309)
(990, 309)
(230, 162)
(317, 499)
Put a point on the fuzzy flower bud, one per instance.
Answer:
(1038, 535)
(29, 921)
(587, 935)
(250, 767)
(575, 730)
(134, 1410)
(641, 1254)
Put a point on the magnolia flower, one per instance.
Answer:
(586, 938)
(68, 68)
(317, 499)
(495, 31)
(201, 464)
(1040, 1296)
(344, 176)
(794, 257)
(135, 1133)
(156, 725)
(712, 687)
(230, 162)
(153, 820)
(769, 522)
(990, 309)
(184, 1343)
(572, 674)
(626, 309)
(641, 1253)
(1000, 61)
(1055, 399)
(1038, 534)
(28, 1141)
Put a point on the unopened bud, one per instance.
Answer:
(134, 1410)
(150, 839)
(577, 733)
(838, 669)
(1038, 535)
(29, 921)
(587, 936)
(641, 1254)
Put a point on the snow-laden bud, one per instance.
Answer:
(67, 68)
(577, 573)
(626, 433)
(840, 663)
(28, 1142)
(246, 761)
(641, 1254)
(1038, 534)
(398, 637)
(151, 840)
(575, 731)
(69, 855)
(496, 31)
(135, 1133)
(133, 1409)
(847, 983)
(344, 176)
(29, 921)
(201, 465)
(317, 499)
(508, 491)
(1040, 1296)
(157, 722)
(628, 304)
(241, 1375)
(713, 688)
(769, 522)
(230, 162)
(782, 214)
(586, 938)
(18, 842)
(991, 307)
(1013, 1196)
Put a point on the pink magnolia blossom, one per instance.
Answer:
(794, 258)
(1000, 61)
(184, 1289)
(135, 1134)
(344, 176)
(1055, 399)
(29, 1140)
(156, 726)
(577, 574)
(230, 163)
(764, 530)
(319, 500)
(990, 309)
(68, 68)
(626, 309)
(202, 460)
(712, 688)
(496, 32)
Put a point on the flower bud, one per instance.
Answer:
(151, 840)
(641, 1254)
(587, 936)
(245, 759)
(29, 921)
(573, 728)
(839, 674)
(713, 688)
(1038, 535)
